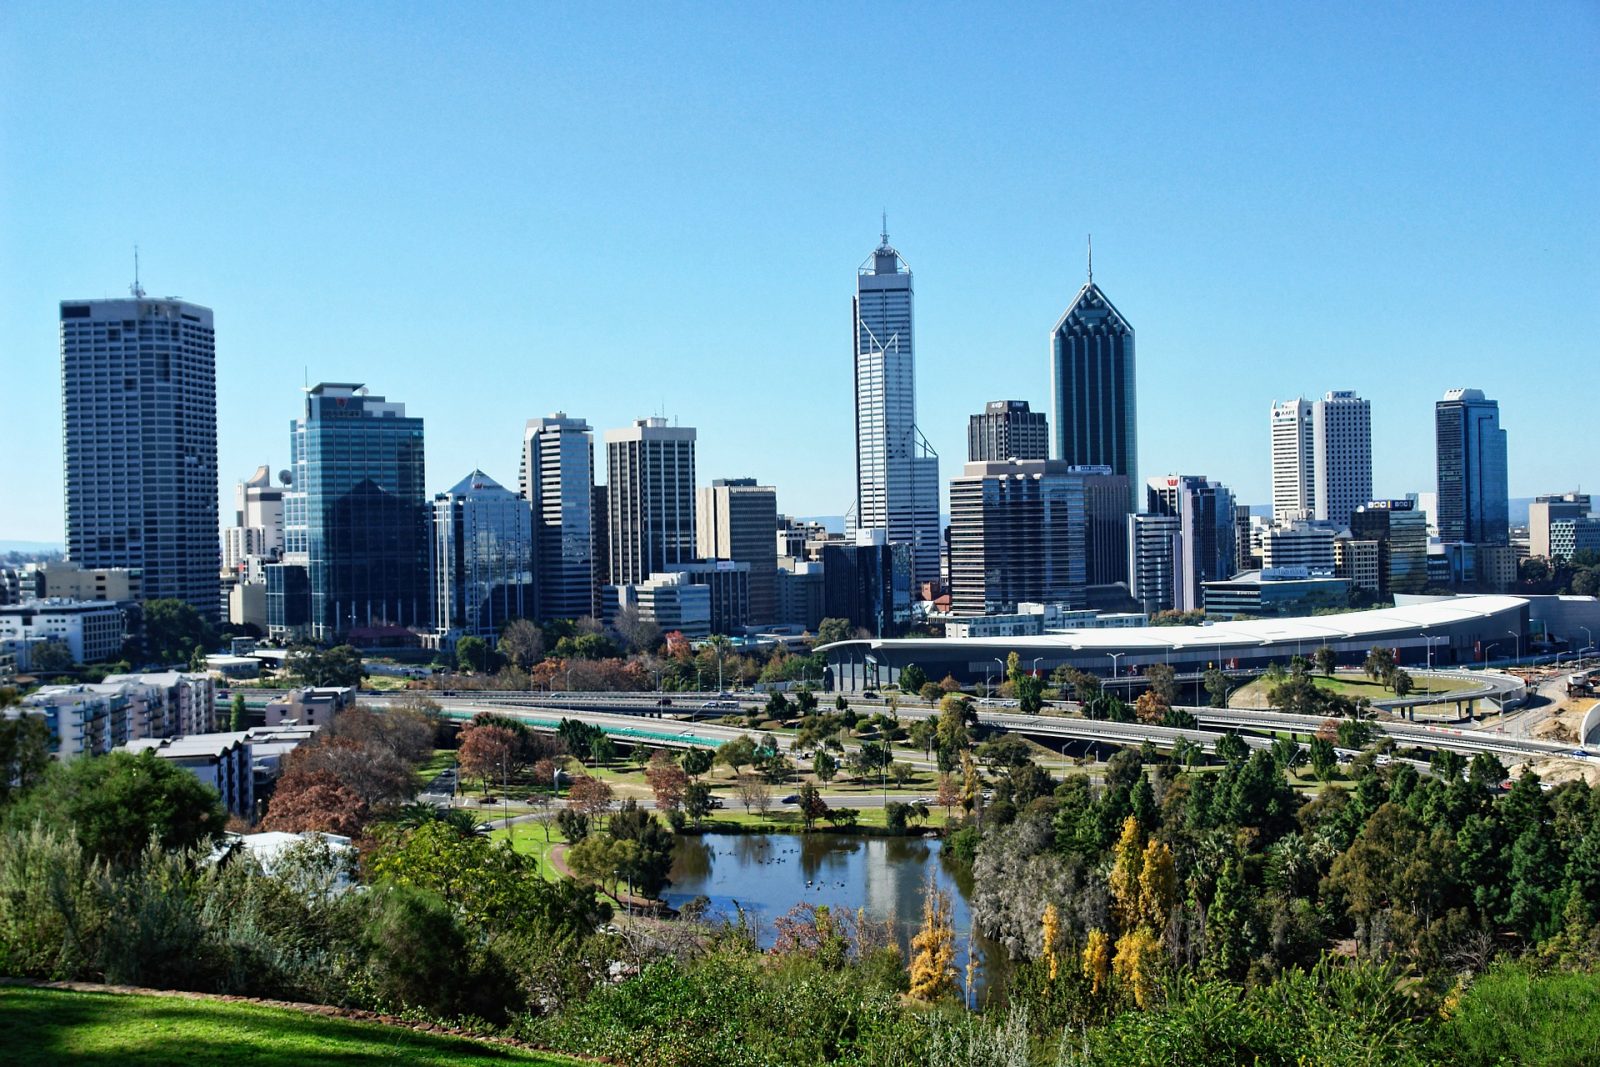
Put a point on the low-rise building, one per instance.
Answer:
(1284, 591)
(223, 761)
(91, 630)
(311, 706)
(674, 602)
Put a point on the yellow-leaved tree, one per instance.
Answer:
(1049, 932)
(933, 949)
(1097, 961)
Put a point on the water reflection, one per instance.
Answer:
(767, 874)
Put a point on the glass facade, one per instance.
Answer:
(482, 558)
(1092, 381)
(367, 519)
(558, 482)
(1471, 457)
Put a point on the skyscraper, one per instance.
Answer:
(1093, 386)
(1019, 532)
(1321, 458)
(139, 438)
(897, 473)
(1471, 458)
(1205, 513)
(367, 516)
(482, 558)
(738, 520)
(649, 499)
(558, 482)
(1007, 429)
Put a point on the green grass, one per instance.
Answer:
(528, 838)
(441, 758)
(1511, 1016)
(47, 1027)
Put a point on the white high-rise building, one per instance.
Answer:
(1293, 461)
(558, 481)
(650, 499)
(1321, 458)
(897, 473)
(139, 433)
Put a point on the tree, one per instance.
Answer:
(638, 633)
(667, 781)
(589, 796)
(1216, 684)
(1324, 761)
(696, 761)
(912, 678)
(1230, 748)
(24, 749)
(117, 802)
(831, 631)
(1163, 682)
(902, 773)
(754, 792)
(1379, 664)
(824, 766)
(1326, 659)
(933, 948)
(698, 801)
(173, 629)
(949, 794)
(521, 643)
(474, 654)
(1355, 733)
(805, 701)
(602, 861)
(50, 657)
(871, 757)
(238, 714)
(1401, 682)
(338, 666)
(1030, 694)
(812, 806)
(737, 752)
(1151, 707)
(315, 800)
(486, 753)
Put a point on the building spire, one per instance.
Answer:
(1091, 259)
(136, 289)
(884, 234)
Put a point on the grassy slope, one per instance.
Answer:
(46, 1027)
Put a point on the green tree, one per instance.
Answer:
(824, 766)
(1216, 684)
(812, 806)
(912, 679)
(1163, 682)
(698, 801)
(50, 657)
(696, 761)
(338, 666)
(1230, 748)
(473, 654)
(737, 752)
(831, 631)
(1030, 694)
(24, 749)
(118, 802)
(172, 629)
(1401, 682)
(1324, 760)
(1355, 733)
(238, 713)
(1379, 664)
(1227, 923)
(1326, 660)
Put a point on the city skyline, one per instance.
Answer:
(404, 266)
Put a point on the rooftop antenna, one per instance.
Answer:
(885, 232)
(136, 289)
(1091, 259)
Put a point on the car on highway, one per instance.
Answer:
(1582, 753)
(720, 705)
(792, 798)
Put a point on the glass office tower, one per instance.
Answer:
(367, 520)
(1093, 386)
(1473, 487)
(482, 559)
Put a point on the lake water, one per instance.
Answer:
(767, 874)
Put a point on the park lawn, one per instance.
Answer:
(528, 838)
(1347, 685)
(441, 758)
(47, 1027)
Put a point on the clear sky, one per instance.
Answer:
(492, 212)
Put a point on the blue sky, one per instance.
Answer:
(491, 212)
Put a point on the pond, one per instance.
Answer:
(767, 874)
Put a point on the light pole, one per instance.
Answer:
(1114, 657)
(1487, 649)
(1588, 642)
(1431, 640)
(1002, 663)
(1518, 636)
(1034, 669)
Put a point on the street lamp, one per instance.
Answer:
(1588, 642)
(1431, 640)
(1518, 636)
(1114, 657)
(1487, 649)
(1002, 663)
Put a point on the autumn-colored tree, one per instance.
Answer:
(589, 796)
(374, 773)
(315, 800)
(933, 949)
(1158, 885)
(812, 806)
(1137, 965)
(486, 753)
(1151, 707)
(1049, 934)
(949, 793)
(1126, 866)
(667, 780)
(1097, 961)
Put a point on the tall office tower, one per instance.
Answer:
(558, 482)
(1094, 387)
(367, 517)
(649, 499)
(1105, 512)
(897, 473)
(1244, 548)
(139, 436)
(1205, 512)
(1343, 455)
(1400, 533)
(482, 559)
(1547, 510)
(258, 505)
(1321, 458)
(1007, 429)
(1018, 532)
(738, 520)
(1293, 461)
(1155, 561)
(1471, 458)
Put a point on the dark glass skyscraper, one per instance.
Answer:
(1093, 386)
(482, 559)
(1473, 488)
(367, 515)
(139, 434)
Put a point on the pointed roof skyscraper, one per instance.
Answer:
(1093, 386)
